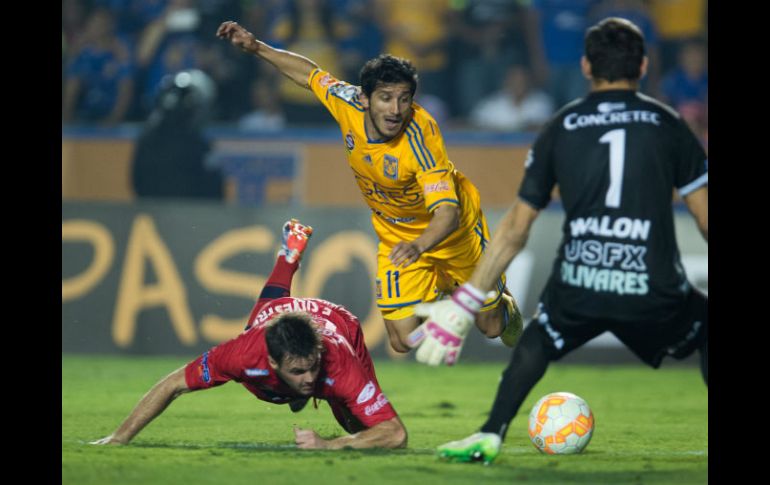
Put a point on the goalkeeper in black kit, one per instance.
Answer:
(616, 156)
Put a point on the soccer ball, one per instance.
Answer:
(561, 423)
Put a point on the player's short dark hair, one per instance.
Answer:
(615, 49)
(292, 333)
(387, 69)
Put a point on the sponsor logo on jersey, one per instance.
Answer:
(350, 142)
(573, 121)
(378, 286)
(257, 372)
(394, 220)
(326, 80)
(401, 197)
(621, 228)
(442, 186)
(366, 393)
(368, 159)
(344, 91)
(608, 254)
(606, 107)
(390, 167)
(607, 266)
(378, 404)
(329, 381)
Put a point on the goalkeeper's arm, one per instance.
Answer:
(292, 65)
(508, 240)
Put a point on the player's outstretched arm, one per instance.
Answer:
(698, 204)
(388, 434)
(152, 404)
(292, 65)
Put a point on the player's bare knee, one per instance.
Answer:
(490, 323)
(398, 332)
(400, 437)
(398, 344)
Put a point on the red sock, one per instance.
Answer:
(278, 285)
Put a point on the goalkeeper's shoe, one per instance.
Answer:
(514, 322)
(294, 241)
(478, 447)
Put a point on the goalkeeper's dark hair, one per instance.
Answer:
(292, 333)
(387, 69)
(615, 49)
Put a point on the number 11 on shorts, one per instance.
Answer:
(393, 282)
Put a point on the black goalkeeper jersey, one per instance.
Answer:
(616, 157)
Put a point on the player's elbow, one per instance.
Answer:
(454, 217)
(704, 229)
(398, 436)
(389, 434)
(450, 216)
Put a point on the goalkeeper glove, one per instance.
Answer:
(442, 335)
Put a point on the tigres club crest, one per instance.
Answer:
(349, 142)
(378, 285)
(390, 167)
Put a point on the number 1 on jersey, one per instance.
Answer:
(617, 142)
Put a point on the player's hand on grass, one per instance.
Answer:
(107, 440)
(447, 323)
(308, 439)
(238, 36)
(405, 253)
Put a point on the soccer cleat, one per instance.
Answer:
(478, 447)
(514, 323)
(294, 241)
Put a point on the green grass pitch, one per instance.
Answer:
(651, 428)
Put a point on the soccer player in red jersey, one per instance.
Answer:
(291, 350)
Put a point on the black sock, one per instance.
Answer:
(528, 364)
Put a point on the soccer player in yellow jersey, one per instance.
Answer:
(426, 214)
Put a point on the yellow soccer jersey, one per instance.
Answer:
(404, 179)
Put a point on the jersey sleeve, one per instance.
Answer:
(216, 366)
(434, 171)
(691, 171)
(335, 95)
(539, 176)
(359, 391)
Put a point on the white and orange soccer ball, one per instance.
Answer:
(561, 423)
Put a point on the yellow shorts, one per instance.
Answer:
(435, 273)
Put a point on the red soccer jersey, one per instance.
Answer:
(346, 378)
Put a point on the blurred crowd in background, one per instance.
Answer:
(494, 65)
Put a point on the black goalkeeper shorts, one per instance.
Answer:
(678, 336)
